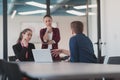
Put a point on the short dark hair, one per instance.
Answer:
(47, 16)
(77, 26)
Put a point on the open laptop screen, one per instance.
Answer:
(42, 55)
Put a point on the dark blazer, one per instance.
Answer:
(81, 49)
(56, 38)
(20, 52)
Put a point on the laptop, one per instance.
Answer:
(42, 55)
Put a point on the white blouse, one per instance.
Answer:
(50, 35)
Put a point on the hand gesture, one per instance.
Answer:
(25, 43)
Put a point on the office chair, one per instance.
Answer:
(111, 60)
(1, 69)
(12, 71)
(114, 60)
(2, 74)
(12, 58)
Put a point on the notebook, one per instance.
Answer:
(42, 55)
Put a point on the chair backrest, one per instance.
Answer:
(1, 69)
(12, 58)
(2, 73)
(114, 60)
(12, 71)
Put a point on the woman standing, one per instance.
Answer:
(23, 49)
(50, 36)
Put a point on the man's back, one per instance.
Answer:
(81, 49)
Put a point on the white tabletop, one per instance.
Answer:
(69, 70)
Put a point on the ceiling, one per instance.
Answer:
(59, 7)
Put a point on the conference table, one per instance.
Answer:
(69, 71)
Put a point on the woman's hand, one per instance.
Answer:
(45, 37)
(49, 29)
(25, 43)
(51, 42)
(17, 60)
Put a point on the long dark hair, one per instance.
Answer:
(77, 26)
(47, 16)
(23, 32)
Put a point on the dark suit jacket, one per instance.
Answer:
(56, 38)
(20, 52)
(81, 49)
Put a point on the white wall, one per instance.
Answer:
(111, 25)
(14, 28)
